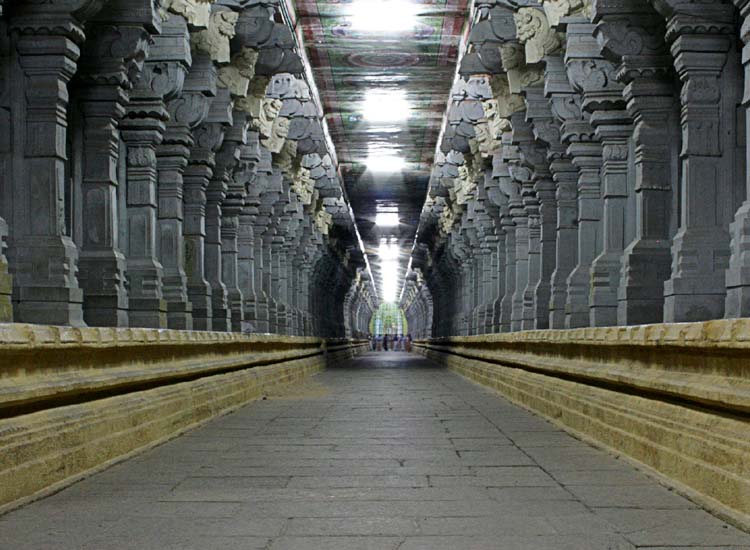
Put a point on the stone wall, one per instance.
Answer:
(592, 171)
(673, 398)
(166, 164)
(77, 400)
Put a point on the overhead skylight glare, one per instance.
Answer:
(383, 15)
(386, 219)
(389, 273)
(386, 106)
(388, 252)
(385, 163)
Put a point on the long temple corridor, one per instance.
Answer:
(342, 274)
(386, 452)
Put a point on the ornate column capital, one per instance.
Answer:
(215, 40)
(534, 31)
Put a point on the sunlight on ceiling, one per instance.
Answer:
(383, 15)
(386, 106)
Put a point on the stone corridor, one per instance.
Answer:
(387, 451)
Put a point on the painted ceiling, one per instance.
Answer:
(392, 64)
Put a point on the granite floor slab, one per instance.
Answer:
(389, 452)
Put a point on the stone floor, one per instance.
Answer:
(390, 453)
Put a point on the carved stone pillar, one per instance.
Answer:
(112, 61)
(142, 129)
(586, 75)
(614, 129)
(246, 176)
(278, 282)
(209, 137)
(547, 131)
(225, 162)
(521, 177)
(706, 62)
(187, 112)
(6, 281)
(509, 229)
(230, 225)
(566, 109)
(632, 35)
(738, 274)
(44, 45)
(594, 76)
(534, 155)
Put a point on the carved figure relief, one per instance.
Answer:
(214, 41)
(534, 31)
(237, 75)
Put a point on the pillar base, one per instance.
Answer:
(605, 280)
(179, 315)
(738, 275)
(202, 310)
(646, 265)
(101, 275)
(6, 291)
(558, 298)
(697, 289)
(577, 301)
(49, 306)
(148, 313)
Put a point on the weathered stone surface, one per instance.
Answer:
(384, 456)
(156, 383)
(590, 381)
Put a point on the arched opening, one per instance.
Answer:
(389, 319)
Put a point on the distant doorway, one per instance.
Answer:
(389, 319)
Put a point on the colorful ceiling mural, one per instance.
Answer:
(384, 69)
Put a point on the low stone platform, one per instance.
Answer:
(389, 452)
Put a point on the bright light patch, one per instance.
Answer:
(386, 106)
(383, 15)
(389, 274)
(385, 163)
(388, 252)
(386, 219)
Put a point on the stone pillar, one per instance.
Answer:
(230, 223)
(225, 162)
(261, 297)
(588, 74)
(645, 68)
(614, 129)
(187, 112)
(44, 45)
(112, 61)
(738, 274)
(520, 176)
(209, 137)
(247, 177)
(547, 131)
(509, 228)
(142, 129)
(706, 62)
(566, 110)
(6, 281)
(534, 155)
